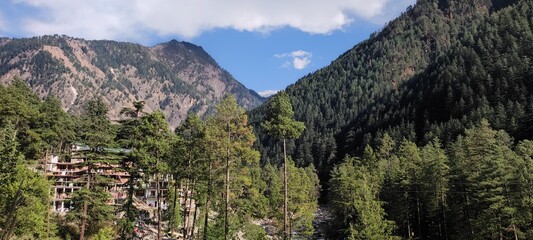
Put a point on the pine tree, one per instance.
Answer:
(233, 138)
(128, 135)
(99, 214)
(354, 199)
(24, 193)
(279, 122)
(484, 161)
(97, 133)
(434, 189)
(152, 150)
(189, 163)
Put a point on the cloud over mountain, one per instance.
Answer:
(131, 19)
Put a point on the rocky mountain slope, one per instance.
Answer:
(175, 77)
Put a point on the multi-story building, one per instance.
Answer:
(149, 189)
(71, 171)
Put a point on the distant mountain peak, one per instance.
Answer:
(175, 50)
(175, 77)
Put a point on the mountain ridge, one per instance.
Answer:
(175, 77)
(331, 100)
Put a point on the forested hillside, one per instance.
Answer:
(420, 132)
(421, 64)
(488, 74)
(175, 77)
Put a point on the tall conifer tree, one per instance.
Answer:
(279, 122)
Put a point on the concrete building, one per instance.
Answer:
(70, 172)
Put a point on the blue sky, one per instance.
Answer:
(265, 44)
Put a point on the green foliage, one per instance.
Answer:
(478, 188)
(24, 192)
(303, 192)
(303, 187)
(55, 126)
(431, 75)
(20, 106)
(439, 68)
(471, 80)
(95, 128)
(252, 231)
(234, 164)
(189, 165)
(355, 202)
(273, 190)
(105, 233)
(485, 165)
(99, 214)
(279, 122)
(279, 118)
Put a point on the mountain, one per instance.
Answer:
(435, 70)
(175, 77)
(487, 74)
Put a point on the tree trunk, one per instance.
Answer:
(408, 230)
(418, 213)
(47, 196)
(186, 210)
(207, 199)
(206, 217)
(174, 200)
(515, 233)
(85, 206)
(158, 197)
(194, 219)
(444, 217)
(126, 232)
(286, 234)
(409, 236)
(290, 227)
(186, 196)
(11, 226)
(188, 215)
(469, 219)
(226, 223)
(500, 228)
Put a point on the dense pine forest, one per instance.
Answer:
(432, 79)
(423, 131)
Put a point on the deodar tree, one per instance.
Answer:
(23, 192)
(233, 139)
(279, 122)
(95, 131)
(189, 165)
(151, 151)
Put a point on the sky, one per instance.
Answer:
(265, 44)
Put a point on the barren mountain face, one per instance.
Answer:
(174, 77)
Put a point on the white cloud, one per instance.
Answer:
(300, 59)
(132, 19)
(300, 53)
(267, 93)
(300, 63)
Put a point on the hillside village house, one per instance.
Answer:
(69, 174)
